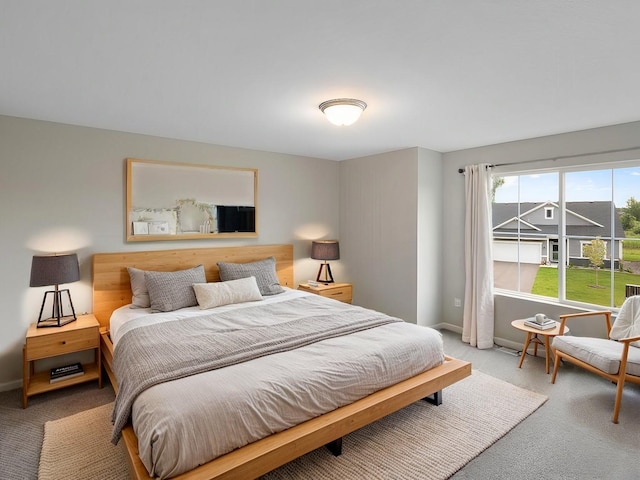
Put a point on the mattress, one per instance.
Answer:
(187, 422)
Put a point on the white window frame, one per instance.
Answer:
(512, 170)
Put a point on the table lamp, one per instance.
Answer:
(325, 250)
(49, 270)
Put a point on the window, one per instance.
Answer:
(572, 235)
(586, 245)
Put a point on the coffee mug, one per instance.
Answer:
(540, 317)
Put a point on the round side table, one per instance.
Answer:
(537, 337)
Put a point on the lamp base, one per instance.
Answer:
(58, 319)
(328, 278)
(55, 321)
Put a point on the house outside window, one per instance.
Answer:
(543, 221)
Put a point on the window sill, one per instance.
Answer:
(552, 302)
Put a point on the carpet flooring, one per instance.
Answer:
(421, 441)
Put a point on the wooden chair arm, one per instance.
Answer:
(585, 314)
(624, 356)
(606, 313)
(629, 339)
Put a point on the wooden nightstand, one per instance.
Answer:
(337, 291)
(50, 342)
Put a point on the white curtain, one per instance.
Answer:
(477, 326)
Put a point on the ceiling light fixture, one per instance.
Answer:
(342, 111)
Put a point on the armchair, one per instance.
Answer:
(616, 358)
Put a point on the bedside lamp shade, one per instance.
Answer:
(54, 270)
(325, 250)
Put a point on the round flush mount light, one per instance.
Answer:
(342, 111)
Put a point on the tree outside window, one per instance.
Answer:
(595, 252)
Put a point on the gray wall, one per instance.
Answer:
(430, 242)
(625, 136)
(390, 216)
(379, 208)
(62, 189)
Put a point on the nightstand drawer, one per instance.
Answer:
(344, 293)
(60, 343)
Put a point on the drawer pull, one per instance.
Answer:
(336, 293)
(64, 342)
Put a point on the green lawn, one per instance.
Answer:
(631, 251)
(580, 283)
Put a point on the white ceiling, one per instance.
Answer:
(444, 75)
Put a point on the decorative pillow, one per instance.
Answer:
(140, 297)
(170, 291)
(627, 323)
(263, 270)
(211, 295)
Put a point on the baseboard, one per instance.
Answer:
(5, 387)
(502, 342)
(447, 326)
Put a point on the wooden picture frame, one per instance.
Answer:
(183, 201)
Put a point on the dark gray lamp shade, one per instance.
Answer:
(325, 250)
(53, 270)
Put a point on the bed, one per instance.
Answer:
(112, 292)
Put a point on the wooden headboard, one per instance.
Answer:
(112, 287)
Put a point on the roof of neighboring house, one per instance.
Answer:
(593, 216)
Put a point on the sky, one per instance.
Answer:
(593, 185)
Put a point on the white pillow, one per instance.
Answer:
(216, 294)
(627, 323)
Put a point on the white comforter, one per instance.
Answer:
(190, 421)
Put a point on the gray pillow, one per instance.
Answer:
(140, 297)
(263, 270)
(170, 291)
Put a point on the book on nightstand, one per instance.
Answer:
(68, 371)
(546, 325)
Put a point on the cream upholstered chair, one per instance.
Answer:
(616, 358)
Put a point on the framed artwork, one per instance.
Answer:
(140, 228)
(179, 201)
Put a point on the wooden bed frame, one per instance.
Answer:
(112, 289)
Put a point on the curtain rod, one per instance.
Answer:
(562, 157)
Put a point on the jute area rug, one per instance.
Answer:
(422, 441)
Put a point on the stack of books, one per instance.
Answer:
(546, 325)
(68, 371)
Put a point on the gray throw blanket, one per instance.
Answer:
(160, 352)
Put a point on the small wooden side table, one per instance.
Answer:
(337, 291)
(40, 343)
(534, 335)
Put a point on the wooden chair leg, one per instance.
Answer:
(616, 407)
(622, 377)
